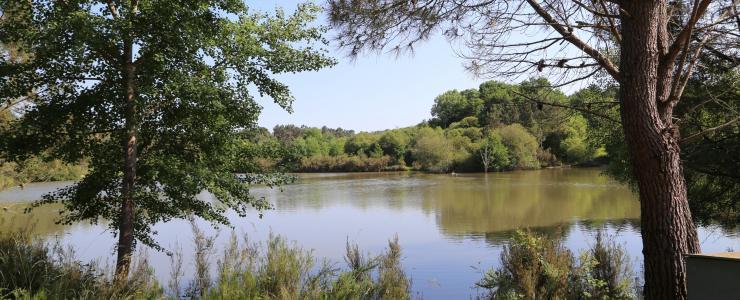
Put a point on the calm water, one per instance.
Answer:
(450, 228)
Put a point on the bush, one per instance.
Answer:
(431, 151)
(343, 163)
(521, 144)
(539, 267)
(493, 153)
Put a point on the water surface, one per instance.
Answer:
(451, 228)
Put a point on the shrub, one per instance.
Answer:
(493, 153)
(431, 151)
(343, 163)
(539, 267)
(521, 144)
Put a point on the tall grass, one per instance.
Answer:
(31, 269)
(277, 269)
(286, 271)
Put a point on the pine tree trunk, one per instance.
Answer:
(667, 229)
(126, 221)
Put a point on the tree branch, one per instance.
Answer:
(694, 137)
(700, 6)
(568, 36)
(569, 107)
(113, 9)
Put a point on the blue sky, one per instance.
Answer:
(373, 92)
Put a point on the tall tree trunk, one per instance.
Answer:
(126, 221)
(667, 229)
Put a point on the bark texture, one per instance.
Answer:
(126, 221)
(668, 232)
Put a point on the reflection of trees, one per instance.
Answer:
(361, 190)
(507, 201)
(563, 230)
(470, 204)
(39, 222)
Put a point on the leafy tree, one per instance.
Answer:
(286, 133)
(376, 151)
(360, 143)
(522, 146)
(430, 150)
(570, 141)
(467, 122)
(394, 143)
(453, 106)
(499, 104)
(493, 153)
(154, 94)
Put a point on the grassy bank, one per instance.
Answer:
(31, 269)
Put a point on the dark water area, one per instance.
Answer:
(451, 228)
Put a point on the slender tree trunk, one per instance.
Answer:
(126, 221)
(667, 229)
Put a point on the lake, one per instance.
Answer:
(451, 228)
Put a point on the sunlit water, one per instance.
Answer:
(451, 228)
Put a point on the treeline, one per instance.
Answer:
(497, 127)
(35, 168)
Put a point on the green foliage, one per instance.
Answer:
(493, 153)
(522, 146)
(34, 169)
(362, 143)
(286, 271)
(344, 163)
(395, 143)
(281, 270)
(710, 163)
(540, 267)
(453, 106)
(467, 122)
(431, 151)
(570, 141)
(30, 269)
(193, 65)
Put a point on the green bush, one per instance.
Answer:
(539, 267)
(431, 150)
(344, 163)
(521, 144)
(493, 153)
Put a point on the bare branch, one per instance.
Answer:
(681, 42)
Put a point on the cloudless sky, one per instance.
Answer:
(372, 92)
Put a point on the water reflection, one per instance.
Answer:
(472, 204)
